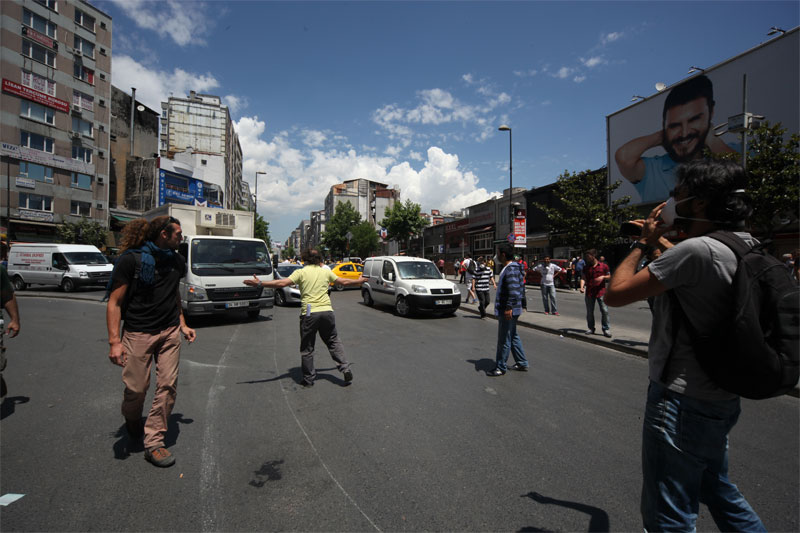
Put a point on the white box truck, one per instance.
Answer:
(220, 252)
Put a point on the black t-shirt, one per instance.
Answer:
(151, 308)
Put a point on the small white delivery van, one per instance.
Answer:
(67, 265)
(408, 284)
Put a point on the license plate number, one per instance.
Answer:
(444, 302)
(243, 303)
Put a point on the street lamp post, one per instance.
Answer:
(256, 202)
(510, 179)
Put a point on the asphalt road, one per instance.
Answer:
(421, 440)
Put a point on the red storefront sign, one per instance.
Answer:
(35, 96)
(30, 33)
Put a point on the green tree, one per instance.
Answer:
(262, 231)
(773, 168)
(584, 219)
(344, 219)
(83, 232)
(365, 240)
(403, 221)
(288, 252)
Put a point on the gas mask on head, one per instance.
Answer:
(669, 213)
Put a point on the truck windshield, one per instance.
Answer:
(229, 257)
(418, 270)
(86, 258)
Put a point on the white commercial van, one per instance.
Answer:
(408, 284)
(67, 265)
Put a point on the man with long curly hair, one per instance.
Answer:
(144, 294)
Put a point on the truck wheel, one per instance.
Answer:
(402, 307)
(67, 285)
(280, 301)
(19, 284)
(367, 298)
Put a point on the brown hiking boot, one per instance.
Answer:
(159, 457)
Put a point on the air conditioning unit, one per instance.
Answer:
(77, 53)
(212, 218)
(100, 179)
(103, 51)
(76, 135)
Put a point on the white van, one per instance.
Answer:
(67, 265)
(408, 284)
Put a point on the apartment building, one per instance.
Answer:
(54, 115)
(201, 125)
(370, 198)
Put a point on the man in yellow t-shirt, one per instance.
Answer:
(316, 312)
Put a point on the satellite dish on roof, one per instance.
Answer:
(660, 86)
(140, 107)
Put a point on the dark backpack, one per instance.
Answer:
(137, 271)
(471, 267)
(755, 351)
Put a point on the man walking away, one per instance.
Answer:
(593, 283)
(687, 417)
(144, 294)
(548, 271)
(579, 265)
(483, 278)
(316, 312)
(507, 308)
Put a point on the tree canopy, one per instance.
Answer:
(83, 232)
(365, 240)
(402, 221)
(345, 218)
(584, 219)
(262, 231)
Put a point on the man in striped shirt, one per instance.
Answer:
(483, 278)
(507, 308)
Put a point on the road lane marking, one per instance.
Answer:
(9, 498)
(308, 438)
(209, 469)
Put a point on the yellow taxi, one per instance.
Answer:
(347, 270)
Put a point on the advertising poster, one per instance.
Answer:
(648, 140)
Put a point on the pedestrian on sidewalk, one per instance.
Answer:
(462, 271)
(593, 284)
(470, 267)
(316, 312)
(507, 308)
(548, 271)
(144, 294)
(579, 265)
(483, 278)
(687, 417)
(8, 301)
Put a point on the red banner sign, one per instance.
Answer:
(30, 33)
(30, 94)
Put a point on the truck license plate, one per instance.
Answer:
(444, 302)
(243, 303)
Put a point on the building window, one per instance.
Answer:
(36, 141)
(83, 73)
(82, 126)
(203, 162)
(482, 241)
(81, 209)
(49, 4)
(37, 112)
(35, 201)
(39, 53)
(83, 46)
(40, 24)
(36, 172)
(84, 101)
(38, 83)
(81, 181)
(81, 154)
(84, 20)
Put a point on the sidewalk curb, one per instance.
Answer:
(58, 296)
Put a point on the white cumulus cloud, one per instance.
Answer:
(183, 22)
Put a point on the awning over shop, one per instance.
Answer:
(481, 230)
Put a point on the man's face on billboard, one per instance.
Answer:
(685, 130)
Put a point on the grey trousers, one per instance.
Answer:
(323, 323)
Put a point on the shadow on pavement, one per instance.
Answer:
(482, 365)
(296, 374)
(124, 446)
(598, 519)
(213, 321)
(8, 407)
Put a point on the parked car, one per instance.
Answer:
(348, 270)
(408, 284)
(559, 280)
(287, 295)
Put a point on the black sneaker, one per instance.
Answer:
(307, 384)
(519, 368)
(159, 457)
(606, 333)
(496, 372)
(348, 376)
(589, 332)
(135, 428)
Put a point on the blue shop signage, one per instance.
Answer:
(177, 189)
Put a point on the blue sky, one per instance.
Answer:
(411, 93)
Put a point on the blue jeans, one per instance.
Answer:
(685, 462)
(508, 341)
(590, 300)
(549, 298)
